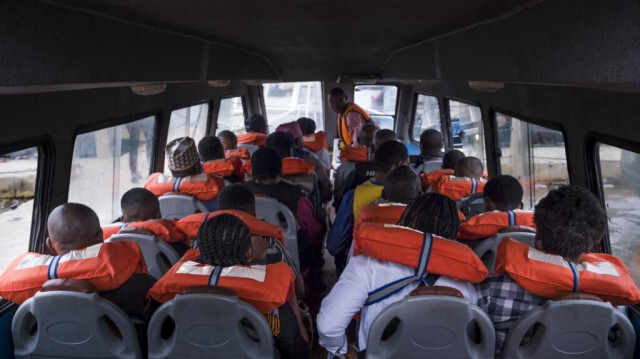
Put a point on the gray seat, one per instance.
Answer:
(472, 205)
(64, 324)
(427, 167)
(571, 329)
(250, 147)
(158, 255)
(433, 326)
(488, 249)
(174, 205)
(271, 211)
(209, 326)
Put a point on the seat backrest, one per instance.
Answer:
(174, 205)
(62, 324)
(209, 326)
(571, 329)
(488, 249)
(158, 255)
(472, 205)
(272, 211)
(249, 146)
(432, 326)
(429, 166)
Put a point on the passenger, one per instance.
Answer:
(467, 179)
(316, 142)
(230, 144)
(256, 126)
(570, 222)
(431, 154)
(225, 241)
(215, 162)
(429, 213)
(186, 174)
(389, 155)
(449, 161)
(503, 208)
(351, 117)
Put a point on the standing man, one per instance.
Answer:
(351, 117)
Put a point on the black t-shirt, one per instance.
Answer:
(286, 193)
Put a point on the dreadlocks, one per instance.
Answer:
(223, 241)
(432, 213)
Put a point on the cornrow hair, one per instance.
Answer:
(223, 241)
(432, 213)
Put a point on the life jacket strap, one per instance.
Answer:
(576, 276)
(52, 271)
(512, 218)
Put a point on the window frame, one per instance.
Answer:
(414, 109)
(449, 128)
(214, 120)
(183, 105)
(396, 109)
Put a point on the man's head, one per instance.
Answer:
(210, 148)
(266, 164)
(72, 226)
(469, 167)
(401, 186)
(307, 126)
(183, 157)
(338, 100)
(431, 142)
(432, 213)
(502, 193)
(570, 221)
(390, 155)
(382, 136)
(294, 129)
(366, 134)
(139, 204)
(239, 197)
(228, 139)
(256, 123)
(450, 159)
(280, 141)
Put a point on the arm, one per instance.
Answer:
(355, 121)
(341, 233)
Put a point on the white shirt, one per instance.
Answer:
(362, 275)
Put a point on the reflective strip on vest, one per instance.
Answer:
(257, 272)
(512, 218)
(33, 260)
(419, 275)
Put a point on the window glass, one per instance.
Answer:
(18, 172)
(620, 170)
(188, 121)
(427, 115)
(288, 101)
(379, 101)
(108, 162)
(533, 154)
(231, 115)
(467, 131)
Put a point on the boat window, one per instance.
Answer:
(379, 101)
(231, 115)
(288, 101)
(466, 129)
(189, 121)
(426, 115)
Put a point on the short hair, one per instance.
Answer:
(402, 185)
(337, 91)
(73, 226)
(504, 191)
(366, 134)
(432, 213)
(431, 140)
(382, 136)
(139, 201)
(223, 241)
(450, 159)
(229, 136)
(389, 154)
(210, 148)
(281, 141)
(469, 167)
(570, 221)
(266, 163)
(256, 123)
(236, 196)
(307, 125)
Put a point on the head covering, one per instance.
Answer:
(182, 154)
(266, 163)
(292, 127)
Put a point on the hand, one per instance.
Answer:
(351, 353)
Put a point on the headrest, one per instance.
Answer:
(578, 295)
(136, 230)
(182, 154)
(208, 289)
(69, 285)
(436, 290)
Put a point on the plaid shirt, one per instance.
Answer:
(505, 301)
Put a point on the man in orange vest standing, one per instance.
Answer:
(351, 117)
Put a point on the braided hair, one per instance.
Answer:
(223, 241)
(432, 213)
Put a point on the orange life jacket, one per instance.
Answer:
(388, 213)
(316, 142)
(549, 275)
(241, 152)
(164, 229)
(428, 179)
(290, 166)
(343, 129)
(223, 168)
(487, 224)
(191, 224)
(354, 154)
(266, 287)
(458, 187)
(203, 187)
(106, 265)
(253, 138)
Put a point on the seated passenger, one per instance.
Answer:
(316, 142)
(256, 127)
(186, 174)
(449, 161)
(389, 155)
(225, 241)
(429, 213)
(503, 208)
(214, 161)
(467, 179)
(230, 144)
(570, 222)
(431, 145)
